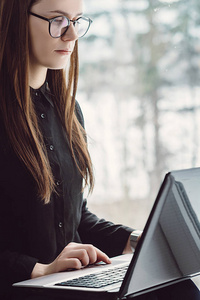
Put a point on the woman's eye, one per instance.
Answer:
(58, 21)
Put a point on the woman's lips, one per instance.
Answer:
(64, 52)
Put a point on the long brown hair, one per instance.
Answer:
(17, 108)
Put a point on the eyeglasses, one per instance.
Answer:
(58, 26)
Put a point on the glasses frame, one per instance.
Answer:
(69, 21)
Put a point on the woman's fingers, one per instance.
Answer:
(101, 256)
(69, 263)
(81, 255)
(76, 256)
(95, 254)
(73, 256)
(86, 253)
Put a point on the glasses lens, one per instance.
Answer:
(81, 26)
(58, 26)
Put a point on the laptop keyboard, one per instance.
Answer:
(98, 280)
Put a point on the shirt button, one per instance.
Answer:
(60, 224)
(42, 116)
(51, 147)
(57, 183)
(36, 93)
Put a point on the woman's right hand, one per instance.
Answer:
(73, 256)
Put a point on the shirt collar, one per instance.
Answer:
(44, 89)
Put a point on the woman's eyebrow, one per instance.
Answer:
(65, 14)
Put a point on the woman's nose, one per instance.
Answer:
(70, 34)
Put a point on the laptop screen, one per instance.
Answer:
(169, 250)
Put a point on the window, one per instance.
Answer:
(139, 90)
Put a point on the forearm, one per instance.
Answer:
(15, 266)
(110, 238)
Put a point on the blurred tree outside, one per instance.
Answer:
(140, 95)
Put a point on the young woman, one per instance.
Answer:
(45, 226)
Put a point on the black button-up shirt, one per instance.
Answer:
(32, 232)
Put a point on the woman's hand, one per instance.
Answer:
(73, 256)
(130, 244)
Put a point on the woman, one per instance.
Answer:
(43, 153)
(45, 226)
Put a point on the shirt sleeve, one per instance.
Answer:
(14, 267)
(105, 235)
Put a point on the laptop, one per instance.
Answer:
(168, 251)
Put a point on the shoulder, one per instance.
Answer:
(79, 114)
